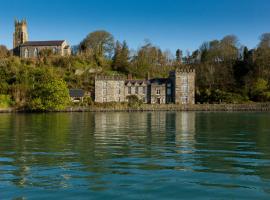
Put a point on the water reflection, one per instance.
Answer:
(135, 151)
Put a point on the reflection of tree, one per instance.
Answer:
(35, 139)
(234, 143)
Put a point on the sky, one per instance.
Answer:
(168, 24)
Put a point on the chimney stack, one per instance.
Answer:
(129, 76)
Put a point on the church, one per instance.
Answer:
(24, 48)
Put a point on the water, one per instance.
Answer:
(164, 155)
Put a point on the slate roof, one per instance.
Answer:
(159, 81)
(133, 82)
(44, 43)
(76, 93)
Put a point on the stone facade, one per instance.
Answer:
(109, 89)
(178, 88)
(137, 88)
(183, 84)
(157, 91)
(31, 49)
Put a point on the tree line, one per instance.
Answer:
(226, 71)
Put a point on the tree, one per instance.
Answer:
(48, 92)
(179, 56)
(259, 91)
(3, 51)
(265, 41)
(121, 57)
(100, 43)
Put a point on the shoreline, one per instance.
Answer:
(251, 107)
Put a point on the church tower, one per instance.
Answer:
(20, 35)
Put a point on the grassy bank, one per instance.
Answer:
(255, 107)
(260, 107)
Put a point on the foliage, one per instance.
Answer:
(98, 44)
(120, 61)
(218, 96)
(134, 101)
(260, 91)
(49, 92)
(5, 101)
(4, 53)
(226, 72)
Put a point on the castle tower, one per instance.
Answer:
(20, 35)
(183, 80)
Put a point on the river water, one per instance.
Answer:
(159, 155)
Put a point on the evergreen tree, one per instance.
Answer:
(121, 57)
(179, 55)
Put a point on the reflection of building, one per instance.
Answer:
(176, 127)
(31, 49)
(185, 123)
(179, 88)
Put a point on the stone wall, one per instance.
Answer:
(179, 88)
(109, 90)
(33, 51)
(157, 93)
(138, 90)
(184, 86)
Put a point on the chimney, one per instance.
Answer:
(129, 76)
(148, 76)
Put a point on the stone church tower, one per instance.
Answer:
(20, 35)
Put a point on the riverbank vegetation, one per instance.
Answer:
(226, 71)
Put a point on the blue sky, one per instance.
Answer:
(169, 24)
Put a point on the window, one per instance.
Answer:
(169, 91)
(104, 99)
(54, 50)
(143, 90)
(136, 90)
(36, 53)
(104, 88)
(184, 79)
(104, 85)
(185, 88)
(26, 53)
(129, 90)
(184, 100)
(118, 87)
(158, 91)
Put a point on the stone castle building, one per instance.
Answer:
(178, 88)
(30, 49)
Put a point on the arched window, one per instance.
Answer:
(36, 52)
(26, 53)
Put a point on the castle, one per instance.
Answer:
(30, 49)
(178, 88)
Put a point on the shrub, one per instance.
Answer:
(5, 101)
(134, 101)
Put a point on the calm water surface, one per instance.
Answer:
(166, 155)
